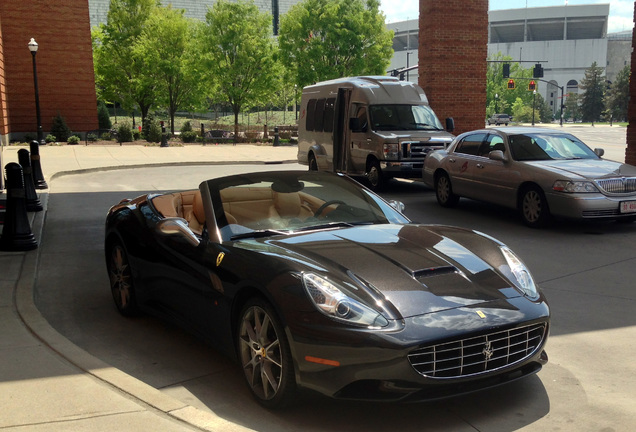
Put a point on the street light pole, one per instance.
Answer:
(534, 97)
(33, 47)
(496, 99)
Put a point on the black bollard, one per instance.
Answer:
(16, 234)
(276, 136)
(36, 167)
(33, 203)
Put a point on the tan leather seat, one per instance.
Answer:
(288, 206)
(196, 218)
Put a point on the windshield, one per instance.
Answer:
(287, 202)
(403, 117)
(547, 146)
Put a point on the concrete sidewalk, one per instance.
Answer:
(46, 382)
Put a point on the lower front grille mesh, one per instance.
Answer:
(480, 354)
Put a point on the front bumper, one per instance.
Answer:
(375, 366)
(587, 206)
(411, 169)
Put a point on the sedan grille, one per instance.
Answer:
(618, 185)
(478, 355)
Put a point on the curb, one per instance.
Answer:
(144, 394)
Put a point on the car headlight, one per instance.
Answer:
(333, 302)
(523, 278)
(391, 151)
(574, 186)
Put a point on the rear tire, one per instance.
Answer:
(121, 280)
(313, 164)
(444, 191)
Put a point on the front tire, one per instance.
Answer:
(534, 207)
(265, 355)
(121, 281)
(444, 191)
(375, 176)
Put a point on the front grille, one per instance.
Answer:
(600, 213)
(418, 149)
(618, 185)
(478, 355)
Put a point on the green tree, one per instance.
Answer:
(167, 47)
(572, 106)
(120, 75)
(240, 53)
(593, 83)
(498, 97)
(617, 97)
(325, 39)
(103, 117)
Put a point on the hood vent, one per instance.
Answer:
(433, 271)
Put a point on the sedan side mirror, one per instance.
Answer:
(177, 227)
(599, 152)
(497, 155)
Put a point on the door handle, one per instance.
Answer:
(451, 160)
(480, 166)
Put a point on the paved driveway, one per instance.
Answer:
(587, 271)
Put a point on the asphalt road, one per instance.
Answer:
(587, 271)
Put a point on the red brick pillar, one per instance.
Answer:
(452, 59)
(630, 153)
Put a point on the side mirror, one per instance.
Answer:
(497, 155)
(599, 152)
(397, 205)
(177, 227)
(450, 124)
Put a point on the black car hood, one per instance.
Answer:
(420, 269)
(589, 168)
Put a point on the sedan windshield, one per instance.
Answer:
(403, 117)
(280, 203)
(546, 146)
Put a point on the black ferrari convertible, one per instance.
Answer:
(311, 281)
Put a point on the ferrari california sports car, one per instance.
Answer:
(311, 281)
(541, 172)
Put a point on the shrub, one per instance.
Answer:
(124, 132)
(106, 136)
(187, 127)
(73, 139)
(59, 129)
(92, 137)
(103, 117)
(136, 134)
(50, 139)
(151, 131)
(188, 136)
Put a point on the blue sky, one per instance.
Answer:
(620, 18)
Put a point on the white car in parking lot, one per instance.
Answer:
(540, 172)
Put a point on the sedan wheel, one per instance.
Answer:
(534, 208)
(265, 356)
(121, 284)
(444, 191)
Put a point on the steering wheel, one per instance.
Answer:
(325, 205)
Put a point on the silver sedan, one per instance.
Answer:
(540, 172)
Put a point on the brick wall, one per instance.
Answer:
(630, 153)
(64, 64)
(4, 114)
(453, 48)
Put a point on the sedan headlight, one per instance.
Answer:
(574, 186)
(333, 302)
(523, 278)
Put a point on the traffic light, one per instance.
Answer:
(532, 86)
(511, 84)
(537, 72)
(506, 70)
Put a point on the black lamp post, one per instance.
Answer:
(33, 47)
(534, 97)
(496, 99)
